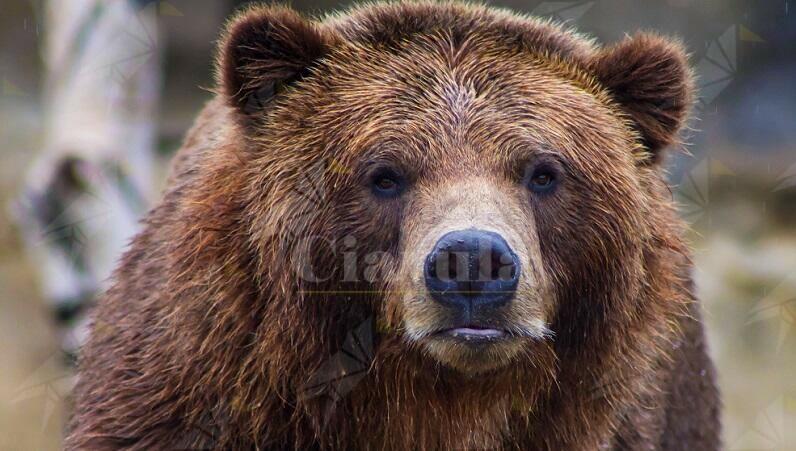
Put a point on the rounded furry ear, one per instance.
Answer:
(649, 76)
(263, 50)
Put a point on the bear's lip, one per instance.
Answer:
(473, 333)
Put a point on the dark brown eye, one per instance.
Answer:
(387, 183)
(542, 179)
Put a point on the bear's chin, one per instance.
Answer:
(473, 356)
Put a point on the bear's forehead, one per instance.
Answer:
(451, 63)
(439, 66)
(465, 97)
(389, 23)
(451, 80)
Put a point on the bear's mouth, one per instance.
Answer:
(478, 334)
(474, 347)
(473, 334)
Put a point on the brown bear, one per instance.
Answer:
(412, 226)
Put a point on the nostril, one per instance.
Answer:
(507, 267)
(496, 265)
(452, 272)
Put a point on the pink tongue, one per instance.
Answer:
(477, 332)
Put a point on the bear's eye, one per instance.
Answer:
(387, 183)
(542, 179)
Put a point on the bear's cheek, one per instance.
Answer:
(588, 236)
(353, 240)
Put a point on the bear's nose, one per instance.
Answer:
(472, 268)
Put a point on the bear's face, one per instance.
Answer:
(477, 191)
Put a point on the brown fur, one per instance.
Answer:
(209, 332)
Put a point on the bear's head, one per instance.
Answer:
(486, 186)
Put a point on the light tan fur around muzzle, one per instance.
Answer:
(476, 203)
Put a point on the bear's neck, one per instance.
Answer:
(408, 402)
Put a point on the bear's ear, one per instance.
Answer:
(649, 77)
(264, 49)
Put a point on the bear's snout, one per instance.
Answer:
(472, 270)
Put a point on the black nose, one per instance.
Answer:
(472, 268)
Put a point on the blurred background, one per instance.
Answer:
(78, 165)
